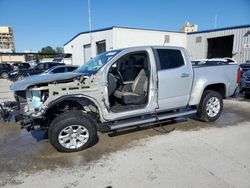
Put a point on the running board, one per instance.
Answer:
(148, 119)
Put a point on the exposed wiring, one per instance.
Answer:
(162, 127)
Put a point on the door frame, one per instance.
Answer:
(152, 89)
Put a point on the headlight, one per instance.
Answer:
(36, 99)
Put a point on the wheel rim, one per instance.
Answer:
(73, 136)
(213, 106)
(4, 75)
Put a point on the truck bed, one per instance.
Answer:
(224, 74)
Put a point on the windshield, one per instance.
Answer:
(93, 65)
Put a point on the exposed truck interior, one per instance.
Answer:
(220, 47)
(128, 82)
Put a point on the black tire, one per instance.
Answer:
(4, 75)
(68, 119)
(203, 113)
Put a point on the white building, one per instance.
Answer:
(188, 28)
(224, 42)
(82, 49)
(7, 44)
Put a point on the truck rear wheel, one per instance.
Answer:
(72, 131)
(210, 106)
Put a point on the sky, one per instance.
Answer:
(39, 23)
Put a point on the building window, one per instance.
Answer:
(87, 52)
(167, 39)
(198, 39)
(101, 46)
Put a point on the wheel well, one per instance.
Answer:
(220, 88)
(73, 103)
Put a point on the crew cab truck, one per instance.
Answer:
(120, 89)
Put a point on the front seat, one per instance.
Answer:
(130, 71)
(138, 93)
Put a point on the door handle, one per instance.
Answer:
(184, 75)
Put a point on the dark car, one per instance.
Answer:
(21, 66)
(5, 69)
(61, 69)
(38, 69)
(245, 67)
(245, 83)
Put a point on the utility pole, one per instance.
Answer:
(90, 26)
(215, 21)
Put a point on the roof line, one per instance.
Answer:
(219, 29)
(109, 28)
(162, 30)
(85, 32)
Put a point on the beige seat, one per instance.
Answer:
(138, 93)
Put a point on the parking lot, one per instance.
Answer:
(184, 153)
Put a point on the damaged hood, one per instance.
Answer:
(42, 78)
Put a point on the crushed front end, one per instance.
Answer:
(26, 108)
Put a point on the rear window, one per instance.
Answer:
(170, 58)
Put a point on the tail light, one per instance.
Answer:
(238, 75)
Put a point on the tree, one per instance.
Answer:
(59, 50)
(48, 50)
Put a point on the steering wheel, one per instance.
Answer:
(118, 77)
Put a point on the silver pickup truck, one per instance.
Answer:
(120, 89)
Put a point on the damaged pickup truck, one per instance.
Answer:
(120, 89)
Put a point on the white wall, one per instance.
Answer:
(124, 37)
(75, 47)
(121, 38)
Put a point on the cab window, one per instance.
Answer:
(170, 58)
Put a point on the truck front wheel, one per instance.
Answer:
(210, 106)
(72, 131)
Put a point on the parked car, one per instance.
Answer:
(61, 69)
(245, 83)
(5, 69)
(21, 66)
(245, 67)
(37, 69)
(73, 106)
